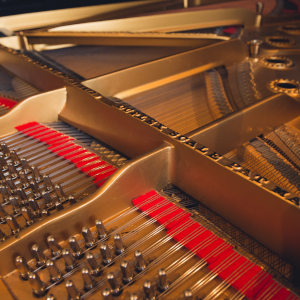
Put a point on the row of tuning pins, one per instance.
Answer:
(23, 187)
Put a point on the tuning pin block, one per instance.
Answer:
(140, 263)
(55, 273)
(72, 291)
(88, 237)
(23, 267)
(39, 288)
(149, 291)
(114, 284)
(95, 269)
(69, 259)
(38, 254)
(77, 251)
(106, 254)
(126, 272)
(101, 229)
(53, 245)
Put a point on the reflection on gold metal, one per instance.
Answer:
(280, 41)
(290, 87)
(276, 62)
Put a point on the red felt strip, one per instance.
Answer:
(85, 159)
(102, 171)
(27, 126)
(68, 150)
(142, 198)
(104, 176)
(93, 166)
(273, 291)
(7, 102)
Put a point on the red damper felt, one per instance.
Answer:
(142, 198)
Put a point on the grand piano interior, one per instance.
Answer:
(150, 150)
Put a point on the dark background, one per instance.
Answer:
(13, 7)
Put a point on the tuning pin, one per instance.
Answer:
(28, 215)
(162, 280)
(119, 246)
(2, 177)
(3, 166)
(187, 294)
(47, 198)
(45, 213)
(53, 245)
(11, 184)
(16, 203)
(35, 187)
(106, 254)
(72, 291)
(88, 237)
(33, 204)
(107, 295)
(39, 288)
(134, 297)
(48, 182)
(126, 272)
(55, 273)
(36, 174)
(72, 200)
(59, 206)
(22, 195)
(114, 284)
(59, 191)
(24, 180)
(14, 157)
(101, 229)
(50, 297)
(259, 11)
(4, 192)
(12, 170)
(69, 259)
(2, 236)
(23, 267)
(95, 270)
(13, 224)
(149, 292)
(77, 251)
(3, 214)
(140, 263)
(87, 278)
(25, 165)
(38, 254)
(5, 150)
